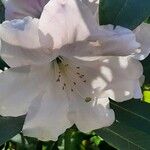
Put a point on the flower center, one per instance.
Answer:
(70, 77)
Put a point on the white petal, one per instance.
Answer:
(17, 9)
(116, 41)
(86, 107)
(21, 43)
(143, 37)
(47, 116)
(106, 42)
(113, 77)
(91, 115)
(23, 32)
(77, 23)
(137, 91)
(94, 7)
(19, 86)
(92, 4)
(15, 56)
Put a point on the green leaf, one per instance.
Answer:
(125, 138)
(131, 130)
(9, 127)
(2, 63)
(133, 113)
(146, 66)
(127, 13)
(1, 12)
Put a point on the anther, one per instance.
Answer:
(88, 99)
(84, 81)
(58, 80)
(66, 65)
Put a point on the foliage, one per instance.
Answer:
(126, 13)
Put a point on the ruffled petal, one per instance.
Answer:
(143, 37)
(15, 56)
(113, 77)
(91, 115)
(92, 4)
(106, 42)
(74, 80)
(17, 9)
(20, 86)
(24, 33)
(22, 43)
(77, 23)
(94, 7)
(47, 117)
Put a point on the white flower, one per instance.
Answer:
(64, 67)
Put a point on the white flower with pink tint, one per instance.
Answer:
(64, 66)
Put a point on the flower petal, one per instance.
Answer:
(22, 43)
(17, 9)
(113, 77)
(77, 23)
(143, 37)
(91, 115)
(19, 86)
(84, 101)
(15, 56)
(92, 4)
(47, 117)
(22, 32)
(106, 42)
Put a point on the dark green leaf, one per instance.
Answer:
(1, 12)
(146, 66)
(131, 130)
(125, 138)
(3, 64)
(9, 127)
(127, 13)
(133, 113)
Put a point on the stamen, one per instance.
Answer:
(74, 83)
(88, 99)
(69, 76)
(58, 80)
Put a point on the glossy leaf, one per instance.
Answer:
(124, 137)
(1, 12)
(127, 13)
(9, 127)
(131, 130)
(133, 113)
